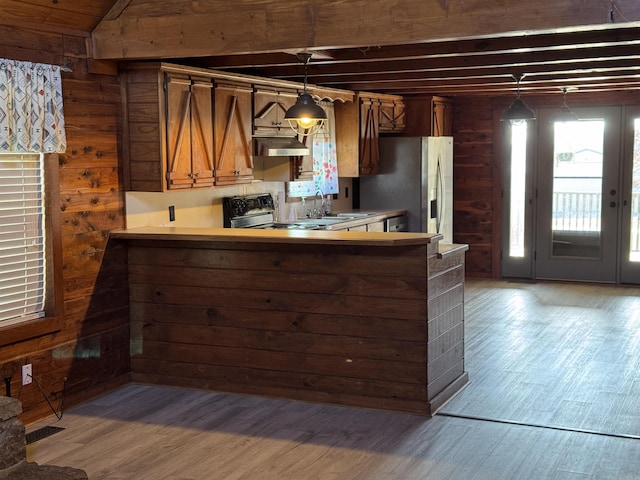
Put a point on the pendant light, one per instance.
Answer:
(305, 117)
(518, 112)
(564, 114)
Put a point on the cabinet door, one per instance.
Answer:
(233, 160)
(442, 125)
(375, 227)
(391, 116)
(347, 116)
(302, 165)
(178, 134)
(369, 133)
(269, 107)
(201, 133)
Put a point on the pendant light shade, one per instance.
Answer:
(564, 114)
(518, 110)
(306, 117)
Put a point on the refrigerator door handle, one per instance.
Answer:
(439, 195)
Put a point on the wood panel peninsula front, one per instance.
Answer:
(369, 319)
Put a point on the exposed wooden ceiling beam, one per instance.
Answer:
(443, 47)
(213, 27)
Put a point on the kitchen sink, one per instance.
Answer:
(320, 221)
(354, 215)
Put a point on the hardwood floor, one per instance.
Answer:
(554, 394)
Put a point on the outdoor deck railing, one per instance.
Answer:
(576, 211)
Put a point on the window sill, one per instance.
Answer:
(29, 329)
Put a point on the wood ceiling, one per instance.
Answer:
(77, 17)
(596, 60)
(473, 46)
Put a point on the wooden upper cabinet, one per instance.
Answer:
(428, 116)
(167, 129)
(442, 117)
(269, 108)
(358, 128)
(232, 127)
(189, 134)
(357, 133)
(187, 127)
(391, 115)
(143, 132)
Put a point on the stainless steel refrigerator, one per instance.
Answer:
(416, 175)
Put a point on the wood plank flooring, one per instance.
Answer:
(563, 355)
(562, 358)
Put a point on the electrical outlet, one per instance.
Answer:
(27, 374)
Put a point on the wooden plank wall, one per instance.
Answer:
(474, 173)
(92, 350)
(477, 169)
(445, 327)
(344, 325)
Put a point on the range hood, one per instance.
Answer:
(279, 147)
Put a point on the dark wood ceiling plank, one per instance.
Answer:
(182, 28)
(74, 18)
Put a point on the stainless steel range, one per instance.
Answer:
(255, 211)
(249, 211)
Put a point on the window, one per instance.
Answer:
(31, 120)
(22, 238)
(517, 190)
(49, 316)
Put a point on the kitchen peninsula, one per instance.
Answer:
(364, 319)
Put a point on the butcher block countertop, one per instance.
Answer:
(321, 237)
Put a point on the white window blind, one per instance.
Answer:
(22, 237)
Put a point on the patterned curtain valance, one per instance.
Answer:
(31, 113)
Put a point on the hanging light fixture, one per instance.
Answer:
(564, 114)
(306, 116)
(518, 110)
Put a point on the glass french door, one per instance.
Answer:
(572, 205)
(577, 189)
(630, 207)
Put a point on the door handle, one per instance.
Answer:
(612, 204)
